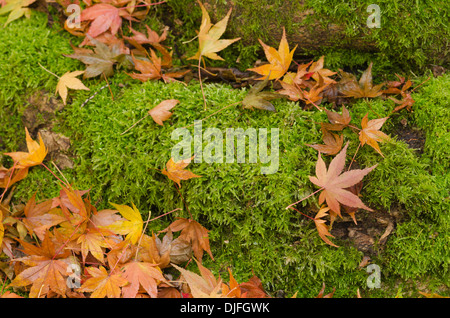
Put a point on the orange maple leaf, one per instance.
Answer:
(279, 61)
(142, 274)
(322, 228)
(103, 284)
(193, 232)
(175, 170)
(47, 268)
(35, 155)
(371, 134)
(209, 35)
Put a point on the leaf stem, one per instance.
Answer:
(353, 159)
(48, 70)
(66, 184)
(304, 198)
(135, 123)
(185, 204)
(201, 84)
(302, 213)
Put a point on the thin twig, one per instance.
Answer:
(67, 182)
(421, 84)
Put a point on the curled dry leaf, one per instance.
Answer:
(204, 286)
(194, 233)
(362, 89)
(332, 142)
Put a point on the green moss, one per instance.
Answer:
(245, 210)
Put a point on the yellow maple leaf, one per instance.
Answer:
(279, 61)
(132, 226)
(35, 155)
(209, 34)
(69, 80)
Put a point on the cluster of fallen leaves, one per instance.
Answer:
(65, 247)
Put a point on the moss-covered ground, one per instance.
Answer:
(251, 231)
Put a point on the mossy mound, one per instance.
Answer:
(251, 231)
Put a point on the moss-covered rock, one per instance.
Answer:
(411, 34)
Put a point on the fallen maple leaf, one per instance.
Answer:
(12, 175)
(101, 60)
(94, 240)
(102, 284)
(322, 228)
(256, 98)
(193, 232)
(47, 268)
(279, 61)
(363, 88)
(209, 35)
(161, 112)
(334, 183)
(69, 80)
(175, 170)
(205, 286)
(332, 142)
(253, 288)
(337, 121)
(131, 227)
(142, 274)
(35, 155)
(16, 9)
(317, 69)
(371, 134)
(39, 217)
(104, 17)
(151, 69)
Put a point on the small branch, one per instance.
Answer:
(160, 216)
(48, 70)
(144, 5)
(304, 198)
